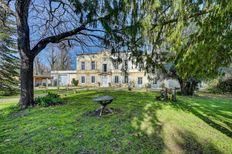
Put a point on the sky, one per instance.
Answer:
(74, 51)
(39, 16)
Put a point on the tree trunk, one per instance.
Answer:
(187, 88)
(27, 57)
(27, 86)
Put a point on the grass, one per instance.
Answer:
(191, 125)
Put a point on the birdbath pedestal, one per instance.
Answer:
(104, 101)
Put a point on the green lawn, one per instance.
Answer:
(141, 125)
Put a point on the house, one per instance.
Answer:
(104, 69)
(42, 80)
(63, 78)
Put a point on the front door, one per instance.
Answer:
(104, 81)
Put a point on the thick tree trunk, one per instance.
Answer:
(26, 78)
(27, 57)
(186, 88)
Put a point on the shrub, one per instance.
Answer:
(75, 82)
(223, 86)
(49, 100)
(8, 92)
(132, 84)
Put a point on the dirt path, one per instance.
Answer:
(10, 100)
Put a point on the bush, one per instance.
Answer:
(8, 91)
(49, 100)
(75, 82)
(223, 86)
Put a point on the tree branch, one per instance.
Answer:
(176, 19)
(7, 8)
(55, 39)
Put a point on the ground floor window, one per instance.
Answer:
(140, 80)
(116, 79)
(93, 79)
(154, 81)
(82, 79)
(126, 79)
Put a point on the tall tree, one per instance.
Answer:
(64, 57)
(52, 58)
(59, 57)
(53, 21)
(204, 45)
(195, 36)
(8, 58)
(39, 67)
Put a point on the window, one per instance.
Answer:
(116, 79)
(82, 65)
(126, 79)
(83, 79)
(93, 65)
(126, 64)
(115, 65)
(140, 80)
(92, 79)
(154, 81)
(104, 67)
(141, 66)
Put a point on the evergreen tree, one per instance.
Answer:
(8, 59)
(194, 36)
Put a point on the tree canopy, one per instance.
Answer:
(193, 36)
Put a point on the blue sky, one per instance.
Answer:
(74, 51)
(36, 19)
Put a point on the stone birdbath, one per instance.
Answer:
(104, 101)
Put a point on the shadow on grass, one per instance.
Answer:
(63, 128)
(148, 127)
(190, 143)
(210, 112)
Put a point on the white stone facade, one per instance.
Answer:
(103, 69)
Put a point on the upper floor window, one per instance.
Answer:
(93, 79)
(115, 65)
(140, 80)
(141, 66)
(82, 65)
(82, 79)
(93, 65)
(126, 64)
(116, 80)
(104, 67)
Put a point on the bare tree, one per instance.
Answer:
(52, 59)
(39, 67)
(59, 58)
(53, 21)
(64, 57)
